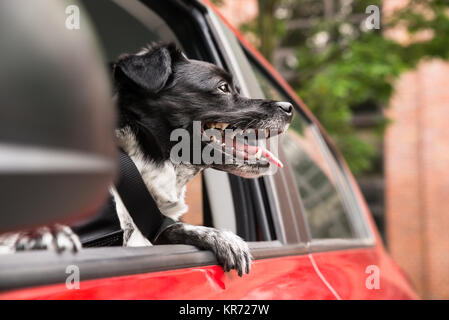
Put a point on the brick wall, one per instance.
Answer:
(238, 12)
(417, 171)
(417, 177)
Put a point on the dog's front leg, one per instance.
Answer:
(232, 252)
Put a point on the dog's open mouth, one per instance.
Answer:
(244, 146)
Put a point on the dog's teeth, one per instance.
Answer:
(221, 125)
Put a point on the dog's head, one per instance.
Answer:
(160, 90)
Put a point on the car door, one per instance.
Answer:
(261, 211)
(340, 234)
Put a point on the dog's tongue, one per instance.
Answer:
(253, 150)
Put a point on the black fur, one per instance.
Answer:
(160, 90)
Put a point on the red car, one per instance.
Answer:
(308, 226)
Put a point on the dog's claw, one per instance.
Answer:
(231, 251)
(57, 237)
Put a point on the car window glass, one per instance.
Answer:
(326, 212)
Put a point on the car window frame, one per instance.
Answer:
(365, 235)
(285, 233)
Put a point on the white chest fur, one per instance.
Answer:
(166, 183)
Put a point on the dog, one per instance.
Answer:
(159, 90)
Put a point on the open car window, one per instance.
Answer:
(124, 27)
(212, 195)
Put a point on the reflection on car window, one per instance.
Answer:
(325, 210)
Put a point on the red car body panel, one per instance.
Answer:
(327, 275)
(278, 278)
(346, 271)
(330, 275)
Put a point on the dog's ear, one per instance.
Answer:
(150, 69)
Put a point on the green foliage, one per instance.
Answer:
(354, 68)
(337, 80)
(217, 2)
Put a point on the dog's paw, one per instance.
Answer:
(57, 237)
(232, 252)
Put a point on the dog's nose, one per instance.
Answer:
(286, 107)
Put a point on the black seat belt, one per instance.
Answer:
(138, 200)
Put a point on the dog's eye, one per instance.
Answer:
(224, 88)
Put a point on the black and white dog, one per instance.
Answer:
(159, 90)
